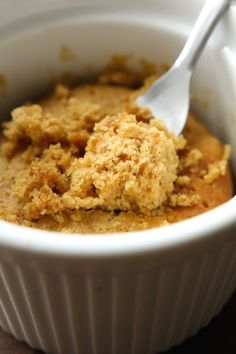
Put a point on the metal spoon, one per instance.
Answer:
(168, 98)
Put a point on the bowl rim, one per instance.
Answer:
(195, 229)
(184, 233)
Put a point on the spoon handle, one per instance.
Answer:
(212, 11)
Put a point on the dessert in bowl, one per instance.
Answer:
(139, 291)
(90, 160)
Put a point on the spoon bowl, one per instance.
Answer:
(168, 98)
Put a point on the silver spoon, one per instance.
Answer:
(168, 98)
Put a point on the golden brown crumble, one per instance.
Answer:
(88, 159)
(128, 165)
(183, 200)
(192, 158)
(218, 168)
(67, 54)
(182, 180)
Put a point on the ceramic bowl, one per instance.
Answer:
(137, 292)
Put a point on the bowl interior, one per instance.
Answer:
(80, 41)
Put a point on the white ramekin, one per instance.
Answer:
(139, 292)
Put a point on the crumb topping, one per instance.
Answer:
(88, 159)
(128, 165)
(192, 158)
(218, 168)
(183, 200)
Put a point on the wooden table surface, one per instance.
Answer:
(218, 338)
